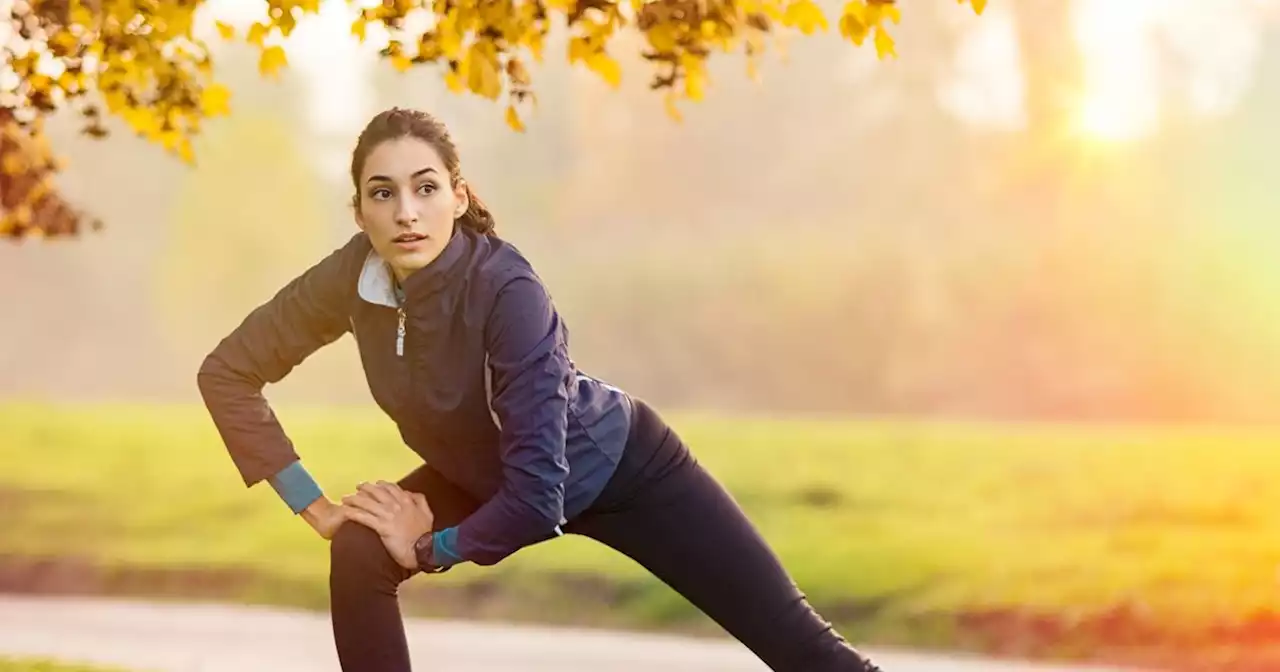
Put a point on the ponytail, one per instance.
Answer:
(477, 217)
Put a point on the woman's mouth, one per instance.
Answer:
(408, 239)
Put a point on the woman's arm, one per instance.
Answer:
(306, 314)
(531, 376)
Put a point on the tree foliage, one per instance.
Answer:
(140, 61)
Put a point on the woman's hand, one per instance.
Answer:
(325, 517)
(398, 516)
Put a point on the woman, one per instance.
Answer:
(463, 348)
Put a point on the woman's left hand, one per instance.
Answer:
(398, 516)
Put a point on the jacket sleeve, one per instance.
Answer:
(309, 312)
(531, 377)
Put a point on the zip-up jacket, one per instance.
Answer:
(472, 365)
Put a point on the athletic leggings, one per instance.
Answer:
(660, 508)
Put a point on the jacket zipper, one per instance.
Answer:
(400, 332)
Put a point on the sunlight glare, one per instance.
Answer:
(1121, 97)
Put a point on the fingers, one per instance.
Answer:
(363, 501)
(383, 492)
(419, 501)
(368, 520)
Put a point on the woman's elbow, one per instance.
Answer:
(216, 378)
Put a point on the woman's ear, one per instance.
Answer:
(462, 195)
(355, 210)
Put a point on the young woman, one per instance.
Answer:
(464, 350)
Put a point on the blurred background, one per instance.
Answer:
(1056, 210)
(1017, 285)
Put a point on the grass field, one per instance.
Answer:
(1126, 543)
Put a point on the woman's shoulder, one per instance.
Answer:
(501, 262)
(337, 272)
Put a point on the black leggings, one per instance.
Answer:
(663, 510)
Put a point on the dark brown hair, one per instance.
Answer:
(402, 123)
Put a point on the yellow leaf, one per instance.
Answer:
(185, 152)
(578, 49)
(978, 5)
(64, 42)
(534, 42)
(669, 102)
(169, 140)
(214, 100)
(695, 76)
(115, 100)
(513, 119)
(12, 164)
(608, 69)
(80, 14)
(257, 33)
(272, 60)
(856, 10)
(358, 28)
(448, 36)
(225, 30)
(454, 81)
(805, 15)
(884, 43)
(482, 72)
(401, 62)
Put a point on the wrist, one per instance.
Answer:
(424, 553)
(318, 510)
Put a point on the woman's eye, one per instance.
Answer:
(426, 189)
(381, 194)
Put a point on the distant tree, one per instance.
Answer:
(139, 61)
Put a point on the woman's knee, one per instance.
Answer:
(357, 554)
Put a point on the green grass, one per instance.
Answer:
(1124, 542)
(47, 665)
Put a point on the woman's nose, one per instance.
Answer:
(406, 213)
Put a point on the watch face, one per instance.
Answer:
(422, 548)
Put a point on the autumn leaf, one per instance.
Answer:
(453, 80)
(669, 104)
(804, 15)
(272, 60)
(214, 100)
(257, 34)
(602, 64)
(185, 152)
(884, 43)
(513, 119)
(150, 72)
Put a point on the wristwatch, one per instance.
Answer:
(424, 551)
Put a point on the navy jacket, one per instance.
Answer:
(473, 367)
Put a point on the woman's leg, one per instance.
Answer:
(364, 581)
(667, 513)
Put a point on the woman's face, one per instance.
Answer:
(407, 206)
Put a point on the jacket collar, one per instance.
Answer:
(377, 285)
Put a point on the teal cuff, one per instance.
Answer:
(444, 546)
(296, 487)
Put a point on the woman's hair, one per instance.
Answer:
(401, 123)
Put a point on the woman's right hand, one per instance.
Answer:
(325, 517)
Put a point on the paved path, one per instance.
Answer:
(225, 638)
